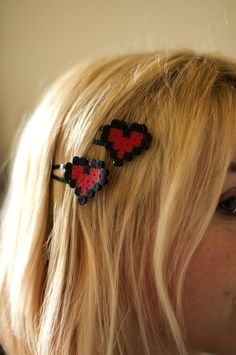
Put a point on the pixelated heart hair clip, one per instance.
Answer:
(122, 142)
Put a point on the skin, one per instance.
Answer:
(210, 288)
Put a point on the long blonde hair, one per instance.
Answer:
(107, 277)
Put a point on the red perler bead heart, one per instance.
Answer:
(86, 177)
(124, 142)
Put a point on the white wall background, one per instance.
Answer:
(41, 39)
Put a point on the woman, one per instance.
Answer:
(146, 265)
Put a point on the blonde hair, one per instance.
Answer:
(107, 277)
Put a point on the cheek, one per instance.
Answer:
(206, 271)
(209, 289)
(211, 272)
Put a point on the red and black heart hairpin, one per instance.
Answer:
(122, 142)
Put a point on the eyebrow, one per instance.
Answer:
(232, 168)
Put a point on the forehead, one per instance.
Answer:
(232, 165)
(234, 155)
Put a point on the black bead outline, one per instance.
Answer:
(145, 144)
(90, 193)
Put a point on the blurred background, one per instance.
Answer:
(39, 40)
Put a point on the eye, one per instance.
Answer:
(228, 206)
